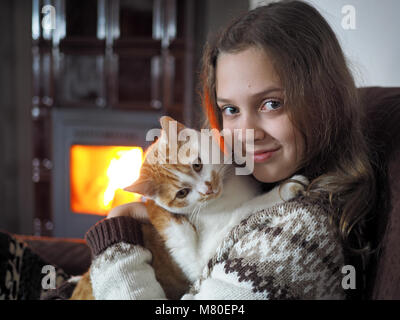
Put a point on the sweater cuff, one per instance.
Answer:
(108, 232)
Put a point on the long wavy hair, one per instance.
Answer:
(321, 100)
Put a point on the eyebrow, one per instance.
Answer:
(256, 95)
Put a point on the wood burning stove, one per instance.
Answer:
(88, 146)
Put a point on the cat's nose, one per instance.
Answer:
(209, 187)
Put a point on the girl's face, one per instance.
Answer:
(250, 96)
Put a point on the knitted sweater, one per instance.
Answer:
(288, 251)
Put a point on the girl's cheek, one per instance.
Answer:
(228, 124)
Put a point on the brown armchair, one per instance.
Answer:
(383, 129)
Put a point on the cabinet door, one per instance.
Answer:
(138, 18)
(137, 54)
(139, 82)
(81, 81)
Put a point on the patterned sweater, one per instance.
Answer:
(288, 251)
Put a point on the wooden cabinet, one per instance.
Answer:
(131, 55)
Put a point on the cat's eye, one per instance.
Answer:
(197, 166)
(182, 193)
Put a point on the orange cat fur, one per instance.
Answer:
(167, 271)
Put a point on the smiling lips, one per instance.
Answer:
(263, 155)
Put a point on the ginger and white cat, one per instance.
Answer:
(194, 206)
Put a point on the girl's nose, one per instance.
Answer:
(259, 134)
(251, 122)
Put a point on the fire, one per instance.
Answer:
(98, 175)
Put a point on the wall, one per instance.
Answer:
(15, 160)
(8, 132)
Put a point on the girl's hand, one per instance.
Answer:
(135, 210)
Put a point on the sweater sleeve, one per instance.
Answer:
(121, 268)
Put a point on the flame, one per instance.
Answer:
(121, 172)
(98, 175)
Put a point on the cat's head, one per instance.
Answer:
(180, 175)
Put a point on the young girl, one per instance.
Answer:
(279, 70)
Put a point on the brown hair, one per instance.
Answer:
(321, 100)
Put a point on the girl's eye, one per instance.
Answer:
(182, 193)
(271, 105)
(229, 110)
(197, 166)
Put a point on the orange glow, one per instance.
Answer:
(99, 173)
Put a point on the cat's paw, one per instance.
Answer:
(291, 189)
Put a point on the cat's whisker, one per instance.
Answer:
(196, 211)
(193, 215)
(197, 215)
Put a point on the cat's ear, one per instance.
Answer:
(165, 124)
(144, 187)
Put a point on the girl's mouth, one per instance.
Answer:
(262, 156)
